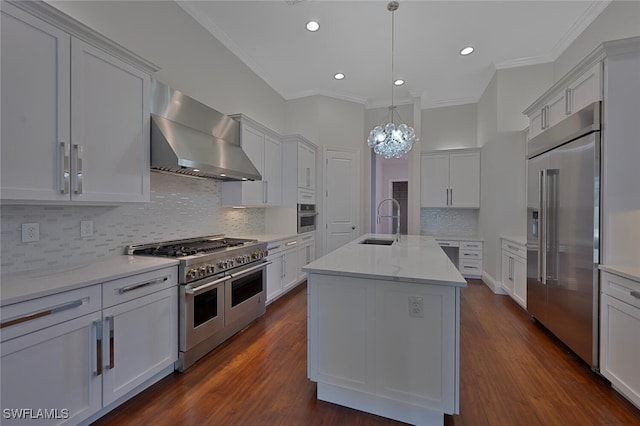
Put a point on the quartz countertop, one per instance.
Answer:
(515, 239)
(28, 285)
(268, 237)
(457, 238)
(630, 272)
(415, 258)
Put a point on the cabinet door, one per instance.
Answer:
(536, 121)
(290, 268)
(464, 176)
(556, 109)
(272, 177)
(53, 368)
(274, 277)
(253, 146)
(109, 127)
(519, 276)
(434, 180)
(507, 280)
(140, 340)
(35, 107)
(306, 167)
(306, 255)
(586, 89)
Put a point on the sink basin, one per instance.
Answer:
(377, 242)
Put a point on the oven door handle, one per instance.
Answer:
(308, 214)
(249, 270)
(197, 290)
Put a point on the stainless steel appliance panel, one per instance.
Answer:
(536, 286)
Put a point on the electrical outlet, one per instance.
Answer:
(30, 232)
(416, 307)
(86, 228)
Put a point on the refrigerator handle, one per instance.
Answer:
(542, 228)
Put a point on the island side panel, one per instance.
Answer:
(364, 340)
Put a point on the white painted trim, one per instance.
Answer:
(494, 286)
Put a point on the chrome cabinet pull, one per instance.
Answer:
(451, 196)
(40, 314)
(308, 177)
(635, 294)
(567, 101)
(123, 290)
(65, 173)
(76, 159)
(98, 328)
(291, 243)
(112, 360)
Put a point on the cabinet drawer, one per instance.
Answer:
(473, 245)
(470, 254)
(515, 249)
(275, 247)
(25, 317)
(470, 267)
(132, 287)
(621, 288)
(307, 238)
(306, 196)
(445, 243)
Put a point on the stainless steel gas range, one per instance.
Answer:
(222, 288)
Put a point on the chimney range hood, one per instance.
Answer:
(190, 138)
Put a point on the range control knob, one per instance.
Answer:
(230, 262)
(192, 273)
(210, 269)
(223, 264)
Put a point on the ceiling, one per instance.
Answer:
(355, 39)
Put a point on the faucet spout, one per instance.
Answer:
(378, 216)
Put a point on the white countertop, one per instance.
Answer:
(28, 285)
(457, 238)
(630, 272)
(268, 237)
(415, 258)
(518, 239)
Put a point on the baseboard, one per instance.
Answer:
(494, 286)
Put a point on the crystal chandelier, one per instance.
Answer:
(389, 140)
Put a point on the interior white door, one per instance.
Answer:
(342, 198)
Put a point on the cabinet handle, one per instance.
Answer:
(291, 243)
(284, 267)
(112, 360)
(76, 159)
(510, 268)
(40, 314)
(123, 290)
(512, 247)
(266, 192)
(308, 177)
(451, 196)
(273, 248)
(98, 328)
(543, 118)
(635, 294)
(443, 244)
(567, 101)
(197, 290)
(65, 173)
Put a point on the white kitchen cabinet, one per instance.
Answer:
(306, 166)
(140, 325)
(514, 272)
(470, 259)
(264, 149)
(579, 88)
(306, 252)
(283, 273)
(49, 356)
(75, 118)
(451, 179)
(620, 334)
(299, 171)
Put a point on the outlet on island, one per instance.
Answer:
(416, 307)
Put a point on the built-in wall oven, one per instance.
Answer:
(307, 216)
(222, 289)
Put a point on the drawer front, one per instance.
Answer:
(25, 317)
(445, 243)
(307, 238)
(275, 247)
(514, 248)
(129, 288)
(470, 254)
(471, 267)
(621, 288)
(306, 196)
(472, 245)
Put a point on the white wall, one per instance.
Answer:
(449, 127)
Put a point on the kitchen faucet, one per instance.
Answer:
(391, 216)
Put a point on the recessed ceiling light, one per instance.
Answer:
(399, 82)
(339, 76)
(466, 51)
(313, 26)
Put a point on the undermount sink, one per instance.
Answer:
(377, 242)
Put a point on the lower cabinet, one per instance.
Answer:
(620, 334)
(306, 253)
(514, 271)
(67, 357)
(282, 274)
(470, 259)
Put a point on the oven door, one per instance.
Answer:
(245, 294)
(306, 218)
(201, 310)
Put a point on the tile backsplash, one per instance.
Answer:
(449, 222)
(180, 207)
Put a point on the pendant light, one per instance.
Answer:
(389, 140)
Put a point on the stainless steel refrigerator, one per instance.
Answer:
(563, 223)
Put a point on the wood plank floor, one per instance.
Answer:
(512, 373)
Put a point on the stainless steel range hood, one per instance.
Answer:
(190, 138)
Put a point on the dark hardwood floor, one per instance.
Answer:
(512, 373)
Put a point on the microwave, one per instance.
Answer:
(307, 217)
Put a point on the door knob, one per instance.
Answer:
(353, 227)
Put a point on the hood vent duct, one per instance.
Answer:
(192, 139)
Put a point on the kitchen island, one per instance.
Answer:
(383, 328)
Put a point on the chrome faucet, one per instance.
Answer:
(391, 216)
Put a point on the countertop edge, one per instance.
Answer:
(425, 281)
(26, 286)
(452, 238)
(515, 239)
(630, 272)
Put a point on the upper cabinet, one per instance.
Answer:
(451, 179)
(299, 158)
(75, 119)
(264, 149)
(575, 91)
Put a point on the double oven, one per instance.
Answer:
(307, 217)
(222, 289)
